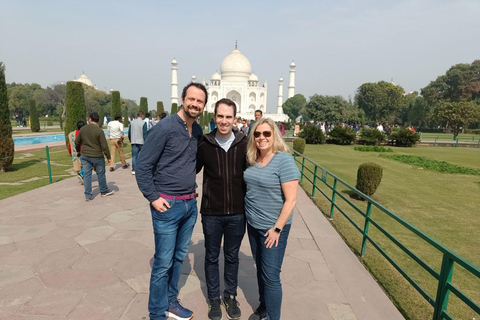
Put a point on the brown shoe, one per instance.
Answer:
(126, 166)
(112, 169)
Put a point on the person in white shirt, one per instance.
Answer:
(380, 127)
(115, 134)
(148, 121)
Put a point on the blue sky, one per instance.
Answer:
(336, 45)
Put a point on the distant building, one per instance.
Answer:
(84, 79)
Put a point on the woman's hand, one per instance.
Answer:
(272, 238)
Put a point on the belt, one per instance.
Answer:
(182, 197)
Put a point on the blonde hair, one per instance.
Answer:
(278, 142)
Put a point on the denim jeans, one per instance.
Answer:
(269, 264)
(88, 163)
(232, 229)
(135, 151)
(173, 231)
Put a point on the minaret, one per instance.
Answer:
(174, 96)
(291, 85)
(280, 96)
(194, 79)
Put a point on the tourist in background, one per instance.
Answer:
(148, 121)
(115, 134)
(137, 132)
(77, 162)
(92, 144)
(258, 114)
(272, 181)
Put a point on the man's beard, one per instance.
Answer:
(187, 112)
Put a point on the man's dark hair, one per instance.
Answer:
(229, 103)
(94, 117)
(147, 115)
(118, 117)
(163, 115)
(196, 85)
(140, 113)
(261, 112)
(80, 124)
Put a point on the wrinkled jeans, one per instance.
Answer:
(88, 164)
(136, 148)
(269, 264)
(173, 231)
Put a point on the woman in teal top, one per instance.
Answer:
(272, 182)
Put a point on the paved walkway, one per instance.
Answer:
(63, 258)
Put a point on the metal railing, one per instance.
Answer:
(442, 139)
(449, 258)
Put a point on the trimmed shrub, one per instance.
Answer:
(371, 137)
(312, 135)
(116, 105)
(75, 107)
(160, 108)
(403, 137)
(34, 121)
(101, 115)
(369, 176)
(144, 105)
(174, 108)
(299, 145)
(126, 121)
(342, 136)
(372, 149)
(7, 148)
(50, 123)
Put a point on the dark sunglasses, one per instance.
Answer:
(266, 134)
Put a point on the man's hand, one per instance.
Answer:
(161, 205)
(108, 162)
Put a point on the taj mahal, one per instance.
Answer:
(237, 82)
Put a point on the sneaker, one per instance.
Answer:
(177, 311)
(133, 172)
(214, 309)
(261, 312)
(80, 178)
(108, 193)
(231, 305)
(112, 169)
(126, 166)
(88, 199)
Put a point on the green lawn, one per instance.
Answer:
(32, 166)
(444, 206)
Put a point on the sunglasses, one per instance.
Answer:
(266, 134)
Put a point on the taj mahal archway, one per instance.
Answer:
(236, 97)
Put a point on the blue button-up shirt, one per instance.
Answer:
(167, 162)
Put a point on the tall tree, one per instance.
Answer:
(293, 106)
(75, 107)
(116, 105)
(174, 109)
(34, 121)
(126, 121)
(101, 116)
(381, 101)
(333, 109)
(160, 108)
(144, 104)
(458, 115)
(7, 148)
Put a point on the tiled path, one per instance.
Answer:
(63, 258)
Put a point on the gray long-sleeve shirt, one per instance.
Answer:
(167, 161)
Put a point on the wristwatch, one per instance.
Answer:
(277, 230)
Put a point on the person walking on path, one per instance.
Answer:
(137, 132)
(93, 145)
(166, 173)
(115, 134)
(77, 162)
(222, 155)
(272, 181)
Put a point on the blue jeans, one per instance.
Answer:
(269, 264)
(88, 163)
(135, 151)
(173, 231)
(232, 228)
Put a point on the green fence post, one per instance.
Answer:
(441, 301)
(48, 164)
(333, 197)
(303, 166)
(314, 181)
(365, 228)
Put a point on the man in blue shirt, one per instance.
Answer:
(165, 173)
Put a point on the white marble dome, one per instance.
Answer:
(216, 76)
(84, 79)
(235, 67)
(253, 77)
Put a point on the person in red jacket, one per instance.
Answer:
(77, 164)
